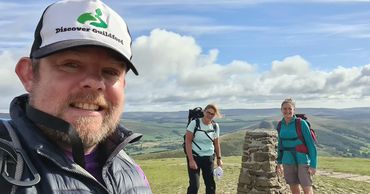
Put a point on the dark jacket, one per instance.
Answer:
(61, 175)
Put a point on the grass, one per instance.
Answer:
(327, 185)
(165, 175)
(169, 175)
(347, 165)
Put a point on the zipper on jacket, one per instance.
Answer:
(82, 172)
(122, 145)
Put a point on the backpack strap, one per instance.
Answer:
(303, 147)
(19, 162)
(298, 128)
(197, 126)
(12, 152)
(7, 155)
(292, 151)
(208, 131)
(290, 139)
(214, 126)
(278, 127)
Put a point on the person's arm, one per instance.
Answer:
(188, 146)
(279, 161)
(312, 152)
(217, 146)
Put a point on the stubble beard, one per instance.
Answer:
(91, 130)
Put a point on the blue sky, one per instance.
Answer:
(263, 32)
(237, 54)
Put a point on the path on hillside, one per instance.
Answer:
(341, 175)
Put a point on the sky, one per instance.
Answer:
(233, 53)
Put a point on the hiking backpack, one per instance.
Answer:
(302, 148)
(13, 159)
(196, 114)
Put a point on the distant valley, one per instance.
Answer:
(341, 132)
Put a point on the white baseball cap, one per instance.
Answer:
(72, 23)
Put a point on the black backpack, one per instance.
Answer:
(196, 114)
(13, 159)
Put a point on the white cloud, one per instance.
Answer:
(167, 52)
(175, 74)
(9, 84)
(294, 65)
(175, 71)
(238, 68)
(8, 78)
(167, 58)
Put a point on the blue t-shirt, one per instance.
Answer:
(201, 139)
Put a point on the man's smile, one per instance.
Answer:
(87, 106)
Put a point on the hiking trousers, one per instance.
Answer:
(206, 164)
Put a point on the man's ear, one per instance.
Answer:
(25, 73)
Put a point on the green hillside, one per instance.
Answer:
(341, 132)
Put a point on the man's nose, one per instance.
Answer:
(94, 81)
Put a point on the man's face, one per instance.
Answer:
(84, 87)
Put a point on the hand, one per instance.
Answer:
(312, 171)
(219, 163)
(279, 169)
(193, 165)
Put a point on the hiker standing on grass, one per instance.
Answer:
(68, 123)
(298, 167)
(203, 156)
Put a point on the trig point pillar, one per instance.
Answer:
(257, 174)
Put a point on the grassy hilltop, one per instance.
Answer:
(341, 132)
(169, 175)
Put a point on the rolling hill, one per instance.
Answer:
(341, 132)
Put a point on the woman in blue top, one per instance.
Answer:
(298, 167)
(201, 156)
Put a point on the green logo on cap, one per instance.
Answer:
(94, 20)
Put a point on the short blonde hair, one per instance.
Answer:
(288, 101)
(215, 108)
